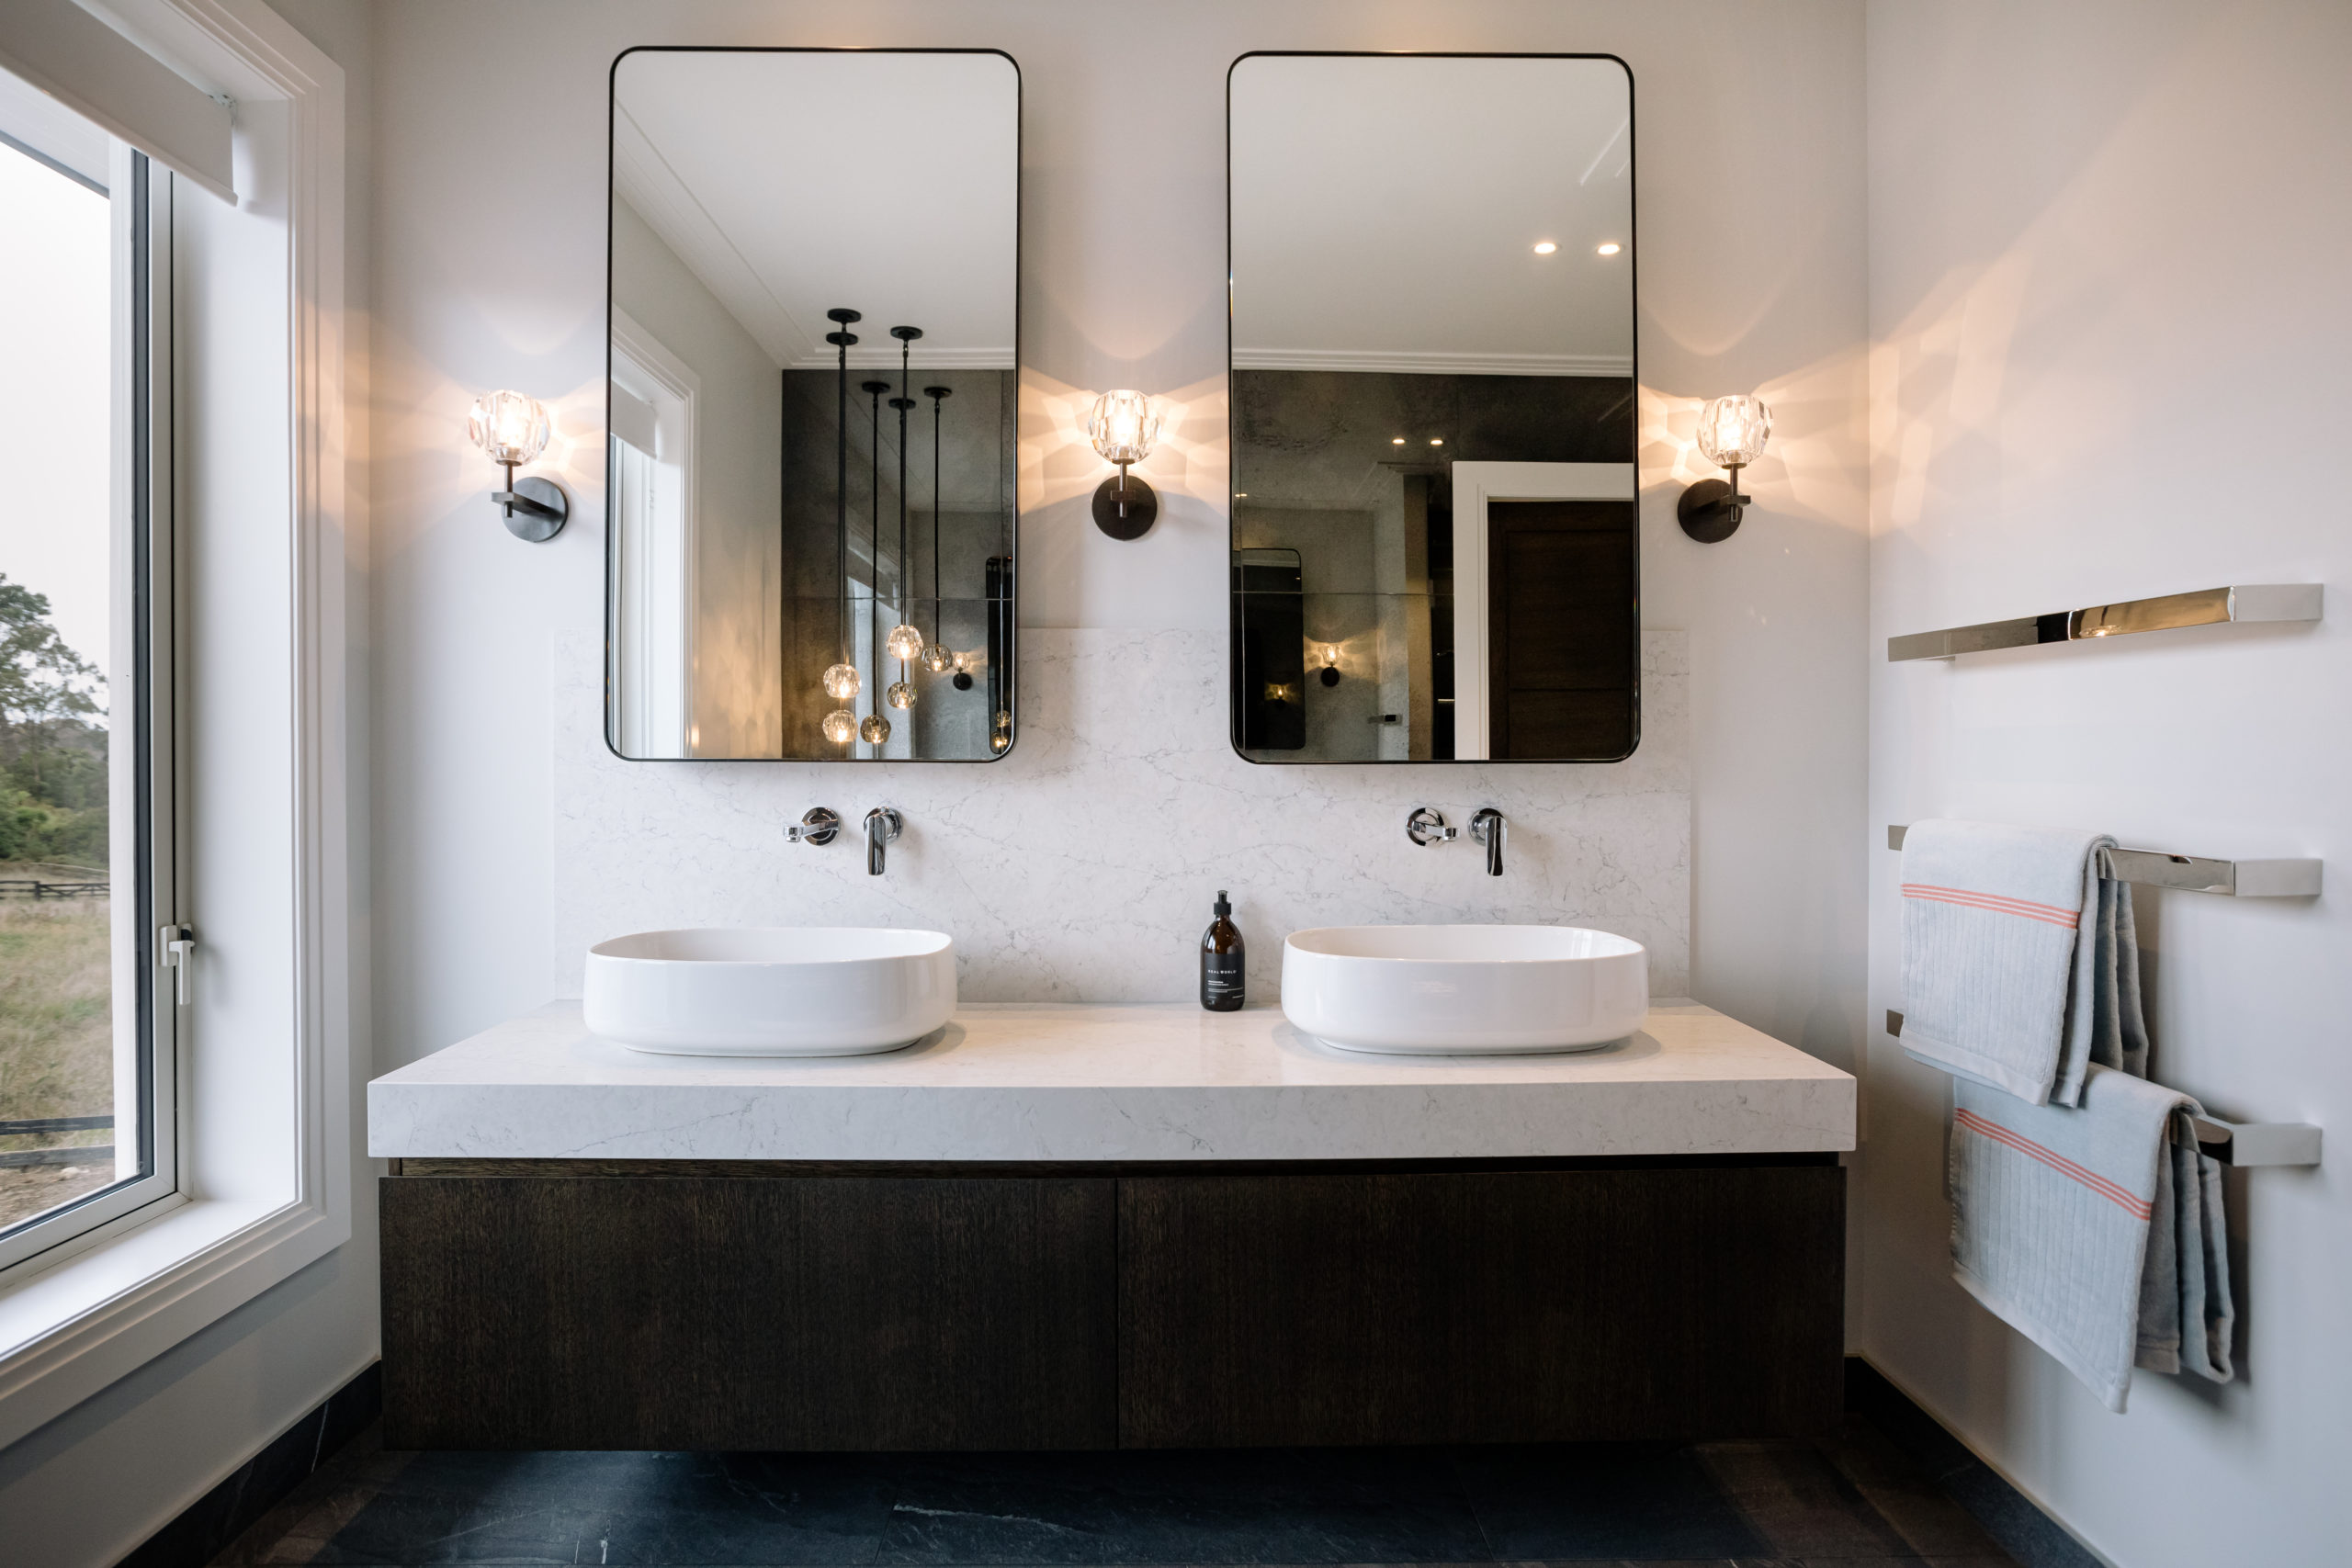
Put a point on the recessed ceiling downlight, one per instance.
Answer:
(1544, 247)
(1610, 249)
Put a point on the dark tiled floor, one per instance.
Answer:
(1854, 1503)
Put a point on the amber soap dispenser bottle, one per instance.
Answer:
(1221, 960)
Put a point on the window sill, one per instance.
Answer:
(134, 1289)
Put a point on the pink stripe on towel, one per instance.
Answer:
(2138, 1208)
(2050, 914)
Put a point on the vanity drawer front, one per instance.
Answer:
(784, 1311)
(1517, 1306)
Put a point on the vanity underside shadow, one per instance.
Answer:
(755, 1305)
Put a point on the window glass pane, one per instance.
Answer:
(72, 1060)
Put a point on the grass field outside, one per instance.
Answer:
(56, 1036)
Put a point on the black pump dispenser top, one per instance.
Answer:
(1223, 907)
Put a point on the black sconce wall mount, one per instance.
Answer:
(514, 429)
(1732, 433)
(1125, 426)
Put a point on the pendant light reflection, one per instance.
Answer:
(841, 726)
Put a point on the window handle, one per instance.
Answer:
(176, 945)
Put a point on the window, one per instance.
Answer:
(653, 397)
(87, 1123)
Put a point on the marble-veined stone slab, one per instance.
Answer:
(1150, 1081)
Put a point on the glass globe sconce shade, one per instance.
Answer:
(1327, 661)
(841, 726)
(874, 729)
(510, 429)
(901, 695)
(843, 682)
(937, 658)
(1733, 432)
(1124, 427)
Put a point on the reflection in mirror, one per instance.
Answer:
(813, 349)
(1434, 540)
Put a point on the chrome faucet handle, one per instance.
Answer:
(1427, 825)
(818, 825)
(882, 825)
(1490, 827)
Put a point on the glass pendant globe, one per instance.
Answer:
(841, 726)
(901, 695)
(875, 730)
(1733, 431)
(843, 682)
(905, 644)
(937, 658)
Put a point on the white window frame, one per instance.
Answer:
(152, 1019)
(261, 512)
(1475, 485)
(654, 687)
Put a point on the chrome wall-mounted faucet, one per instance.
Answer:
(882, 825)
(818, 825)
(1427, 825)
(1489, 826)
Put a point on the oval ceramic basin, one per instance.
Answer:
(1465, 990)
(770, 991)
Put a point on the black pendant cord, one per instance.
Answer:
(874, 390)
(906, 336)
(841, 339)
(938, 396)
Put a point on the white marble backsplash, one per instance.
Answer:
(1081, 867)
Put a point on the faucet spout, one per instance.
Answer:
(1490, 827)
(882, 825)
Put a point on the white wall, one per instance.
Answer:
(490, 273)
(2107, 295)
(738, 481)
(98, 1481)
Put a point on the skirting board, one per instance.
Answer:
(204, 1528)
(2008, 1515)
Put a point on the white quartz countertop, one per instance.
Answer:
(1031, 1081)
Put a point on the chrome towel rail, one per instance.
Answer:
(2232, 1143)
(2195, 873)
(2200, 607)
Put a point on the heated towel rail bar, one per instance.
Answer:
(2195, 873)
(2200, 607)
(2232, 1143)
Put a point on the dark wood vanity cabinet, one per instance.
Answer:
(581, 1304)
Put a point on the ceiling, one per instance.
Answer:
(1385, 211)
(794, 182)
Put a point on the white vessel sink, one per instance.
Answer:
(770, 991)
(1465, 990)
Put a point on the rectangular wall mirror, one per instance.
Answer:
(1435, 548)
(814, 339)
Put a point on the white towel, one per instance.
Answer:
(2020, 966)
(2096, 1232)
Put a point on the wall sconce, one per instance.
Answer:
(1125, 426)
(514, 429)
(1326, 657)
(1732, 433)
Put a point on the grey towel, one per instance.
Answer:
(2020, 964)
(2096, 1232)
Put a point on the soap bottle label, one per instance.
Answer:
(1221, 983)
